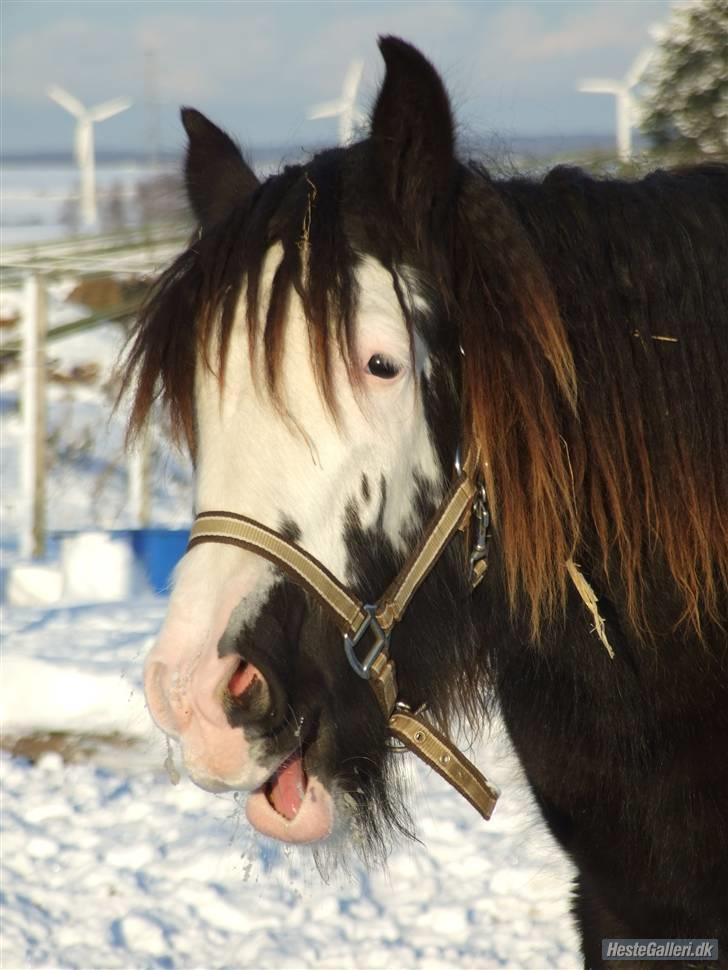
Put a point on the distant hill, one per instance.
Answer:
(108, 158)
(493, 145)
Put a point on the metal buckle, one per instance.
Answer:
(363, 669)
(394, 745)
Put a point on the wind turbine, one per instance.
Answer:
(344, 108)
(84, 143)
(626, 104)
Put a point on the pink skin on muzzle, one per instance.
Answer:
(185, 682)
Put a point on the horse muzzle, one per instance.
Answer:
(225, 713)
(188, 704)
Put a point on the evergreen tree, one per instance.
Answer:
(686, 105)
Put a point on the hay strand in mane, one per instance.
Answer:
(589, 598)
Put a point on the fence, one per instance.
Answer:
(132, 255)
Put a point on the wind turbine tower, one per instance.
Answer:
(344, 108)
(84, 143)
(626, 105)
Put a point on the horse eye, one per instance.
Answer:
(381, 366)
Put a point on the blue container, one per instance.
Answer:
(159, 551)
(156, 551)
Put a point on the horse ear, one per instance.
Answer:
(412, 131)
(216, 174)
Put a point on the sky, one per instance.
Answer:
(511, 66)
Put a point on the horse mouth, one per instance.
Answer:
(293, 805)
(286, 788)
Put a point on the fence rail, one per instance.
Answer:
(11, 348)
(130, 254)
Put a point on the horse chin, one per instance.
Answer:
(311, 819)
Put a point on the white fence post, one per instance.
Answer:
(35, 326)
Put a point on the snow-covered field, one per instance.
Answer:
(112, 865)
(34, 196)
(107, 862)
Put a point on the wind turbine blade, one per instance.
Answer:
(352, 81)
(109, 108)
(66, 100)
(327, 109)
(601, 86)
(639, 66)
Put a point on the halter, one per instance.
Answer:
(464, 506)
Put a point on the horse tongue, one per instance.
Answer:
(287, 788)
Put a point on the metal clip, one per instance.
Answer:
(404, 706)
(458, 462)
(364, 669)
(479, 550)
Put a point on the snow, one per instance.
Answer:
(111, 575)
(113, 866)
(106, 862)
(34, 584)
(34, 195)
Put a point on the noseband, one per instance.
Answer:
(464, 510)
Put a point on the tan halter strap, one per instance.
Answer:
(415, 734)
(440, 753)
(238, 530)
(465, 502)
(354, 618)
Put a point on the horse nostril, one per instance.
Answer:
(248, 698)
(244, 676)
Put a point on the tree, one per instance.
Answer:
(70, 214)
(686, 105)
(113, 210)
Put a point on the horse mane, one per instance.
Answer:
(638, 271)
(593, 319)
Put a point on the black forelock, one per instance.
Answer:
(325, 215)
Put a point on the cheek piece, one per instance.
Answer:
(464, 509)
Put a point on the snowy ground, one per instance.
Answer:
(112, 865)
(107, 863)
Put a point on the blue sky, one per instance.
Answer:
(511, 67)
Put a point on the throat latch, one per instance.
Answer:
(440, 753)
(413, 732)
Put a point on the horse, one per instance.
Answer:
(332, 346)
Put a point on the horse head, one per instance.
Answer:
(302, 349)
(316, 345)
